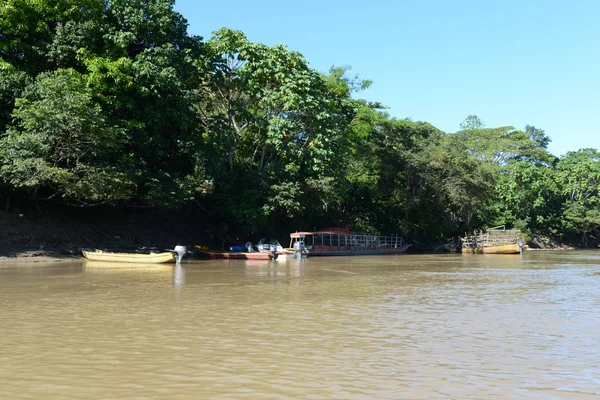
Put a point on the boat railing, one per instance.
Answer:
(357, 241)
(492, 237)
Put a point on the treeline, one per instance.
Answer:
(113, 102)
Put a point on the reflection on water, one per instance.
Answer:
(178, 275)
(107, 267)
(393, 327)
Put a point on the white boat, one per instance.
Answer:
(279, 251)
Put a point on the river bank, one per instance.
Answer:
(42, 257)
(60, 236)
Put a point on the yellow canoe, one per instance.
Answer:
(152, 258)
(502, 249)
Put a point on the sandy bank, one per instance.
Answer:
(42, 257)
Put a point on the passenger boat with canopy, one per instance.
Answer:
(342, 242)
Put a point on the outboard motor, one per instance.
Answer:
(274, 251)
(521, 247)
(299, 249)
(181, 251)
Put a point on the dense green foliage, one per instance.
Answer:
(112, 101)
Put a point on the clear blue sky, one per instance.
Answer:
(509, 62)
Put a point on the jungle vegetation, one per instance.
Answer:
(113, 102)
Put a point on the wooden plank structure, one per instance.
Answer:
(498, 240)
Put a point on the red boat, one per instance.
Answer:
(233, 255)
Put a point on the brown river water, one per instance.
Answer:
(393, 327)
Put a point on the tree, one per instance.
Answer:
(467, 182)
(538, 136)
(499, 145)
(579, 179)
(145, 78)
(140, 66)
(471, 123)
(28, 28)
(61, 144)
(12, 84)
(272, 125)
(528, 197)
(393, 180)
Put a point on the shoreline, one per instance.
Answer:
(59, 236)
(49, 257)
(558, 249)
(38, 257)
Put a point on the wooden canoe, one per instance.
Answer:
(107, 256)
(502, 249)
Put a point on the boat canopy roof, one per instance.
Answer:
(300, 234)
(323, 232)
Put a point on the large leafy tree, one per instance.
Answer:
(61, 144)
(145, 79)
(28, 29)
(138, 64)
(528, 197)
(499, 145)
(466, 181)
(273, 124)
(12, 84)
(390, 181)
(405, 185)
(579, 180)
(507, 157)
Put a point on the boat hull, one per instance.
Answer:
(502, 249)
(235, 256)
(104, 256)
(342, 242)
(111, 266)
(324, 251)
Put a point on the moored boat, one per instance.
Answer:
(502, 249)
(117, 257)
(342, 242)
(232, 255)
(497, 240)
(274, 247)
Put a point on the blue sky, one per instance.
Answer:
(509, 62)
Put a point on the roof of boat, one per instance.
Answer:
(302, 234)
